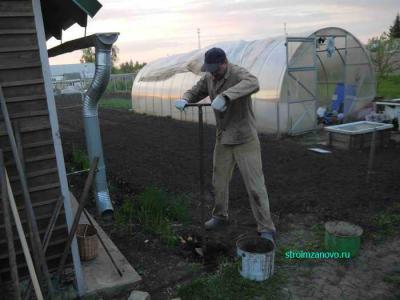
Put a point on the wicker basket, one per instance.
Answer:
(87, 241)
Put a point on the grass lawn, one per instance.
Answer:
(116, 103)
(389, 87)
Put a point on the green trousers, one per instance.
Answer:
(247, 156)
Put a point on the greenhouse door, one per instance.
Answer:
(301, 84)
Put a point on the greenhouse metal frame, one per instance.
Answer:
(297, 74)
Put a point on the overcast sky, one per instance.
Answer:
(152, 29)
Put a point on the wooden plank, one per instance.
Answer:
(77, 44)
(60, 229)
(52, 251)
(26, 98)
(19, 49)
(11, 255)
(53, 243)
(22, 265)
(38, 218)
(32, 129)
(20, 66)
(34, 274)
(21, 22)
(34, 159)
(22, 82)
(16, 7)
(60, 226)
(39, 107)
(40, 158)
(38, 204)
(11, 14)
(17, 75)
(18, 58)
(32, 145)
(42, 208)
(28, 114)
(17, 31)
(43, 179)
(37, 151)
(36, 174)
(40, 188)
(26, 90)
(16, 41)
(69, 46)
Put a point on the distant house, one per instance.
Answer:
(71, 78)
(72, 71)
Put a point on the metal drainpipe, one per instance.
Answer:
(91, 98)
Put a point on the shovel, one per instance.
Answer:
(201, 171)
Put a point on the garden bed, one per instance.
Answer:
(143, 151)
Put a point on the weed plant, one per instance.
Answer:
(387, 222)
(80, 160)
(155, 210)
(227, 283)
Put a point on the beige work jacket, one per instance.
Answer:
(236, 125)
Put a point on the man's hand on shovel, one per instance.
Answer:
(181, 104)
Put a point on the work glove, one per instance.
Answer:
(219, 103)
(181, 104)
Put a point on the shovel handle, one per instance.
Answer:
(198, 104)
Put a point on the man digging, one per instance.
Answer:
(230, 87)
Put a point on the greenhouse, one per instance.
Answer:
(297, 75)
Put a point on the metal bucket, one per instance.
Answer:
(257, 258)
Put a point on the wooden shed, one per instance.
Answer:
(25, 79)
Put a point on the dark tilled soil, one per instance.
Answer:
(142, 151)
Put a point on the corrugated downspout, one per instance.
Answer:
(91, 98)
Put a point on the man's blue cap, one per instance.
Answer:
(212, 59)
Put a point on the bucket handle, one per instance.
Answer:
(86, 228)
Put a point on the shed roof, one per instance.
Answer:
(61, 14)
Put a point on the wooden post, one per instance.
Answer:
(36, 260)
(82, 203)
(46, 238)
(22, 239)
(9, 231)
(371, 156)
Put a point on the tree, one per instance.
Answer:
(129, 67)
(89, 55)
(395, 29)
(384, 50)
(114, 55)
